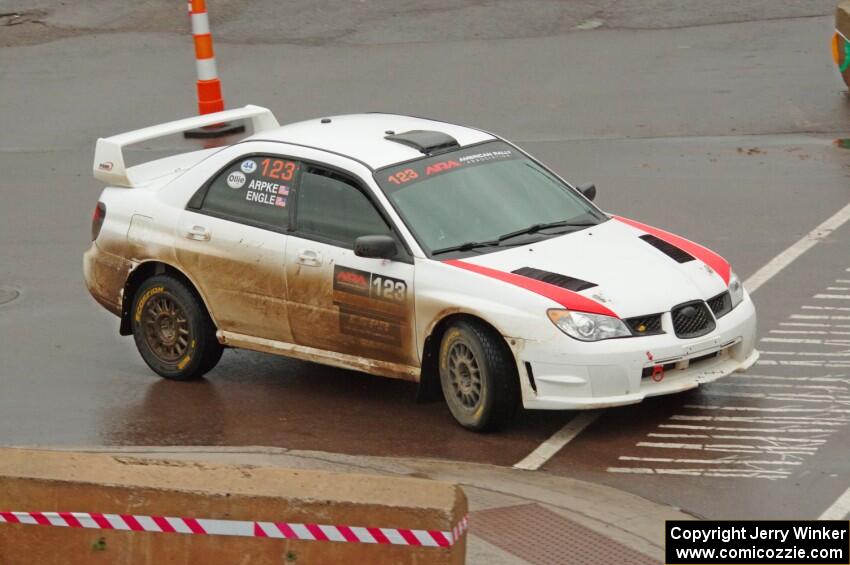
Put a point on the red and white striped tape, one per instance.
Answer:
(283, 530)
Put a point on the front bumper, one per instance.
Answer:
(565, 374)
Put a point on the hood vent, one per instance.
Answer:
(668, 249)
(563, 281)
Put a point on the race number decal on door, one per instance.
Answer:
(371, 306)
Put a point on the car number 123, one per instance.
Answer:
(386, 288)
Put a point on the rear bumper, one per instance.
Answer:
(570, 375)
(105, 276)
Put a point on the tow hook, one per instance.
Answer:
(657, 370)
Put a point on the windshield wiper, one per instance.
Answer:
(537, 227)
(469, 245)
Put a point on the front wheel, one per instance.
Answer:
(172, 329)
(478, 376)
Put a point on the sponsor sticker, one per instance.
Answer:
(373, 285)
(236, 179)
(351, 280)
(410, 173)
(248, 166)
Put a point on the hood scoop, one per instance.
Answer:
(563, 281)
(678, 255)
(425, 141)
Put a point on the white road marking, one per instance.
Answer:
(731, 448)
(813, 325)
(805, 353)
(553, 445)
(756, 419)
(783, 397)
(836, 342)
(778, 263)
(840, 308)
(832, 296)
(842, 281)
(669, 445)
(782, 385)
(839, 510)
(809, 332)
(785, 409)
(738, 429)
(728, 460)
(736, 473)
(824, 379)
(845, 365)
(749, 438)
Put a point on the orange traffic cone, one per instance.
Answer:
(208, 86)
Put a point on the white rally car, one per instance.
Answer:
(408, 248)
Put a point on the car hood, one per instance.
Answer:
(631, 276)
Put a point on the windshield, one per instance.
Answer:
(470, 197)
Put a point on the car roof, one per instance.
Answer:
(361, 136)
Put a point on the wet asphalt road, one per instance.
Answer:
(722, 133)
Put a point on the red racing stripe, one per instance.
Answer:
(566, 298)
(707, 256)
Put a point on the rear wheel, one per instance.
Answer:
(478, 376)
(172, 329)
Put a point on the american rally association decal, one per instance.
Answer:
(372, 306)
(423, 170)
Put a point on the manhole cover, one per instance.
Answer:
(7, 295)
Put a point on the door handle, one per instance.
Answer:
(198, 233)
(310, 258)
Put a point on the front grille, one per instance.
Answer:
(645, 325)
(720, 304)
(692, 319)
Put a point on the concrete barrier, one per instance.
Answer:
(61, 508)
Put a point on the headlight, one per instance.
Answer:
(588, 327)
(736, 289)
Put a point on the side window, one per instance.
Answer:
(331, 207)
(254, 190)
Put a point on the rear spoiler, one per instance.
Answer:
(109, 152)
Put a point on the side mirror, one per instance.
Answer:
(375, 246)
(589, 190)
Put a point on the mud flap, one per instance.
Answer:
(429, 389)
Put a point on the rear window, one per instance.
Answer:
(253, 190)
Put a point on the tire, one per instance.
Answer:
(173, 330)
(471, 354)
